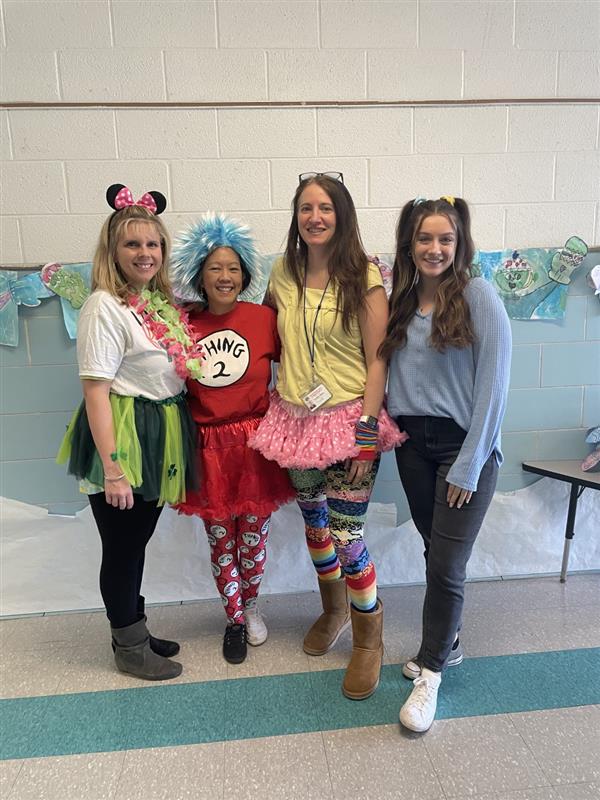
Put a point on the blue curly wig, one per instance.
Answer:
(193, 245)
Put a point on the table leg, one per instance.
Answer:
(569, 530)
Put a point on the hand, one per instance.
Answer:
(119, 494)
(357, 470)
(456, 495)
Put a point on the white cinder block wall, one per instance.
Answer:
(532, 172)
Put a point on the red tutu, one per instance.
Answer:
(234, 478)
(297, 438)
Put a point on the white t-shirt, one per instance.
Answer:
(114, 345)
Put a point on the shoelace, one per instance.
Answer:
(423, 694)
(235, 633)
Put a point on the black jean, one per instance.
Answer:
(448, 533)
(124, 536)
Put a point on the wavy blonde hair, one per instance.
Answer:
(106, 273)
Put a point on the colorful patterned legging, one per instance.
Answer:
(238, 553)
(334, 513)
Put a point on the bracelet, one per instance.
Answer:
(366, 440)
(369, 421)
(114, 480)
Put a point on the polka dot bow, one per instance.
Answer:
(119, 196)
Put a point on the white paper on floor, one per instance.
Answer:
(50, 563)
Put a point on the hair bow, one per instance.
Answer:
(447, 197)
(119, 196)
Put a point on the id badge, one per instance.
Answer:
(315, 398)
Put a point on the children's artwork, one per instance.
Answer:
(72, 284)
(67, 282)
(533, 282)
(17, 289)
(384, 263)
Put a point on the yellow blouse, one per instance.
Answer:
(339, 357)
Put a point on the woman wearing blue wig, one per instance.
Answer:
(213, 262)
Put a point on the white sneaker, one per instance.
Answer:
(418, 712)
(256, 630)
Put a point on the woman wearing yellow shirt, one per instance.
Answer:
(326, 423)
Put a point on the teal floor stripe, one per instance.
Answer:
(165, 715)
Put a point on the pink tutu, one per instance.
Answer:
(297, 438)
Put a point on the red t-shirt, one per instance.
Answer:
(239, 347)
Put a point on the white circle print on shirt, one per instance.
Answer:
(227, 356)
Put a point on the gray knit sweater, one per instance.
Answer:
(468, 385)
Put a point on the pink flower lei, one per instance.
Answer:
(169, 327)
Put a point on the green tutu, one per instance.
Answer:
(155, 443)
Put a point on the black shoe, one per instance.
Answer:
(234, 644)
(164, 647)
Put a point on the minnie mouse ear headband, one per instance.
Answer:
(193, 245)
(119, 196)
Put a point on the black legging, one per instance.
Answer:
(124, 536)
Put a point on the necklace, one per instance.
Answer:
(312, 349)
(168, 325)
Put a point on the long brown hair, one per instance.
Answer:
(106, 273)
(451, 321)
(347, 259)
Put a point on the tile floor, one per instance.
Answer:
(342, 749)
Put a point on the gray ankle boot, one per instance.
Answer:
(134, 655)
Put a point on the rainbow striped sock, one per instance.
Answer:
(362, 588)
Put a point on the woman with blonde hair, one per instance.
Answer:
(131, 441)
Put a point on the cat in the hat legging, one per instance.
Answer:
(238, 552)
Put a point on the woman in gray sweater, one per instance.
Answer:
(449, 345)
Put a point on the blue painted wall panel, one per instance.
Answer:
(49, 343)
(525, 366)
(592, 327)
(31, 436)
(568, 444)
(29, 389)
(539, 409)
(591, 406)
(516, 448)
(572, 364)
(39, 481)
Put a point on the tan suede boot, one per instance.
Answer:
(333, 621)
(362, 676)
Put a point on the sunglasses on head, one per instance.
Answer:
(336, 176)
